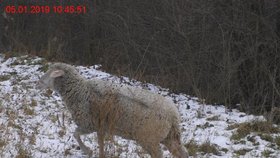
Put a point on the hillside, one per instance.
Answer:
(35, 123)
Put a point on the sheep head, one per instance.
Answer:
(47, 80)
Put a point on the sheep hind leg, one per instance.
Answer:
(85, 149)
(176, 148)
(154, 150)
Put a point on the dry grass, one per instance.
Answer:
(214, 118)
(3, 143)
(32, 139)
(232, 126)
(244, 129)
(205, 148)
(48, 93)
(44, 68)
(54, 118)
(206, 125)
(277, 141)
(23, 153)
(1, 107)
(274, 115)
(266, 153)
(241, 152)
(28, 110)
(4, 77)
(33, 103)
(266, 137)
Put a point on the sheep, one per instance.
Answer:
(104, 107)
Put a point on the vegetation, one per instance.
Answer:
(266, 137)
(205, 148)
(267, 153)
(242, 152)
(277, 141)
(2, 143)
(4, 77)
(214, 118)
(262, 127)
(28, 111)
(223, 51)
(23, 153)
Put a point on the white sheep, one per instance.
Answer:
(122, 110)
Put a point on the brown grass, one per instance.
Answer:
(242, 151)
(4, 77)
(243, 129)
(33, 103)
(266, 153)
(205, 148)
(32, 139)
(28, 110)
(214, 118)
(3, 143)
(23, 153)
(277, 141)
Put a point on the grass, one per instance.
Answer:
(32, 139)
(48, 93)
(200, 114)
(214, 118)
(3, 143)
(33, 103)
(62, 132)
(206, 125)
(53, 118)
(4, 77)
(11, 54)
(23, 153)
(266, 137)
(241, 152)
(225, 150)
(67, 152)
(277, 141)
(13, 125)
(232, 126)
(244, 129)
(266, 153)
(30, 61)
(44, 68)
(28, 111)
(1, 106)
(205, 148)
(251, 139)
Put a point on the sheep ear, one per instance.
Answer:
(57, 73)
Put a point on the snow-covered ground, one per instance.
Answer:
(37, 124)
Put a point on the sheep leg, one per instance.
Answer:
(176, 148)
(85, 149)
(154, 150)
(100, 137)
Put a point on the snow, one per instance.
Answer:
(39, 124)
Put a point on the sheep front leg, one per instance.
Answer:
(85, 149)
(100, 137)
